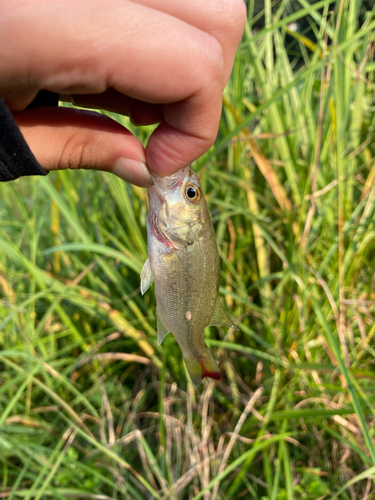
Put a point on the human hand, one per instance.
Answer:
(154, 60)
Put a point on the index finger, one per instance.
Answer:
(141, 52)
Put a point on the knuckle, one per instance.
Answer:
(231, 17)
(73, 155)
(206, 64)
(225, 26)
(214, 63)
(239, 14)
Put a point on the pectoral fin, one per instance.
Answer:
(219, 317)
(146, 277)
(162, 329)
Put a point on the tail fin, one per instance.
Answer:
(200, 368)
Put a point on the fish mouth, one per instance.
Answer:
(170, 182)
(155, 196)
(161, 188)
(156, 201)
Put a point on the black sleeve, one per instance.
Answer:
(16, 158)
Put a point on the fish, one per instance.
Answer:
(183, 261)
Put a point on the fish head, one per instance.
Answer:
(178, 211)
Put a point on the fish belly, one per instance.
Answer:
(186, 288)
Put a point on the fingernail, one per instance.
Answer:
(132, 171)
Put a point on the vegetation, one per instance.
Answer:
(92, 408)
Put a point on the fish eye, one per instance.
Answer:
(193, 193)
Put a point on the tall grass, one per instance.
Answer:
(92, 408)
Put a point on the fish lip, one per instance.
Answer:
(156, 201)
(154, 189)
(160, 185)
(169, 182)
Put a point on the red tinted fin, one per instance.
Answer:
(214, 375)
(202, 368)
(210, 368)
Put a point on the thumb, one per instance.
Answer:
(62, 138)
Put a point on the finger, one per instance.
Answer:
(167, 144)
(175, 143)
(62, 138)
(140, 52)
(144, 113)
(140, 113)
(223, 19)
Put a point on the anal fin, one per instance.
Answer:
(219, 317)
(162, 329)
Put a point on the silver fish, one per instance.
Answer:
(184, 261)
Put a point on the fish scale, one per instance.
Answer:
(184, 262)
(195, 293)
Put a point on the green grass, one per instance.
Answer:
(92, 408)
